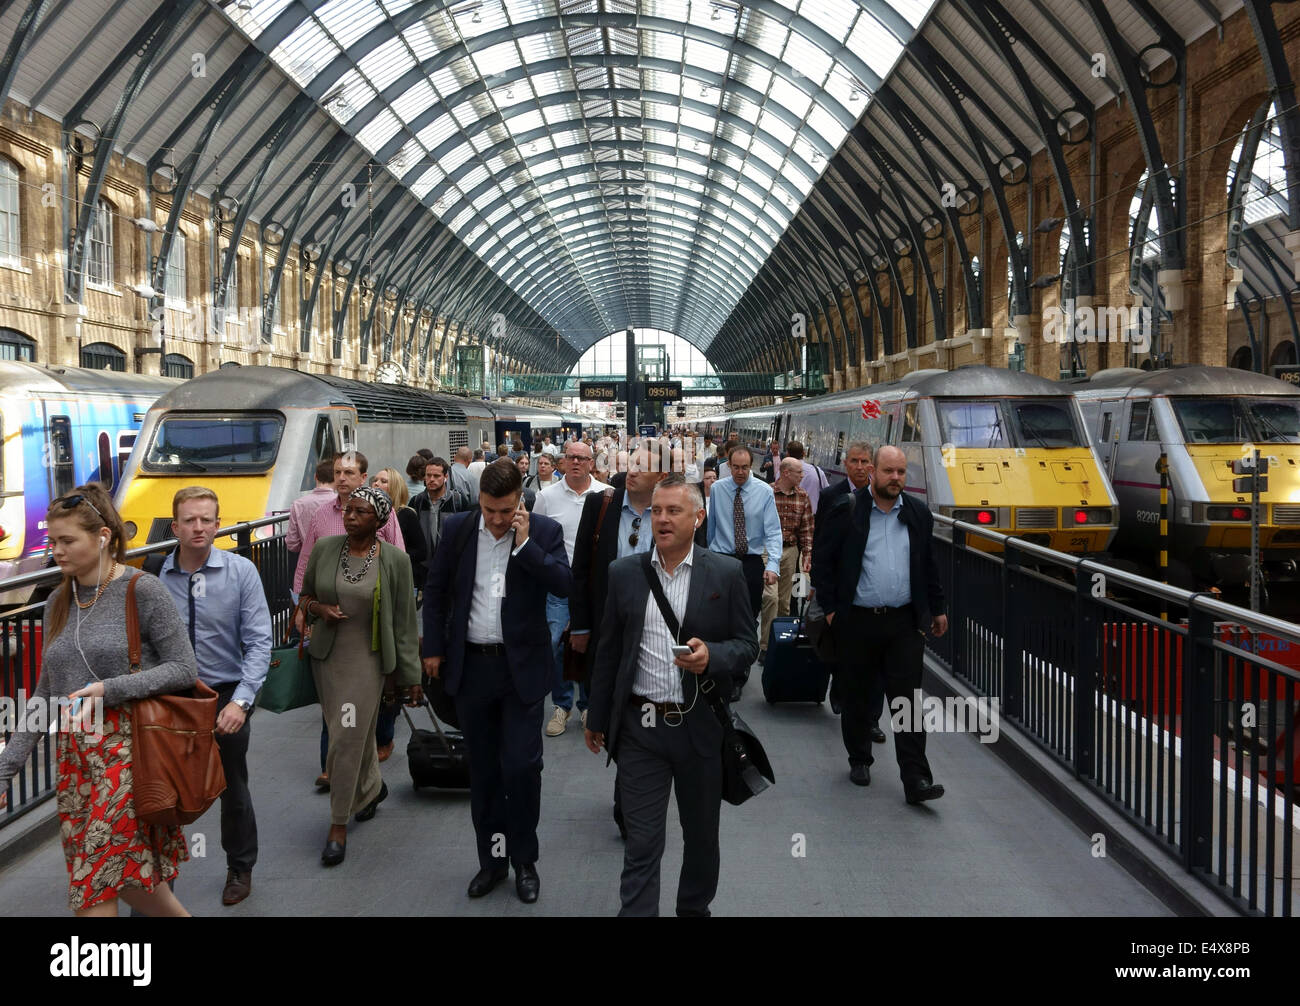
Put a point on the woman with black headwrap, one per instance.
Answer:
(359, 598)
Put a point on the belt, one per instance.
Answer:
(488, 649)
(661, 708)
(883, 609)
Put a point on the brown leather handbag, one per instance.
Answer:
(175, 763)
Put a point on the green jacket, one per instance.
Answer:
(394, 630)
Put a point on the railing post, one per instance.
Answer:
(1196, 770)
(1012, 698)
(956, 619)
(1086, 658)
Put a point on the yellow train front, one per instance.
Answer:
(1006, 451)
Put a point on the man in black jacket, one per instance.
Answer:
(432, 506)
(878, 582)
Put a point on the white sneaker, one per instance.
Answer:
(559, 720)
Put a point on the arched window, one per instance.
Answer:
(99, 250)
(103, 356)
(175, 365)
(231, 363)
(11, 235)
(16, 346)
(175, 280)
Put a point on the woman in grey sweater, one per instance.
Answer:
(110, 853)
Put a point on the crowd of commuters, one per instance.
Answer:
(648, 567)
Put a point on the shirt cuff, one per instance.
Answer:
(516, 549)
(579, 632)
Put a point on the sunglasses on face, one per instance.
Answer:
(72, 502)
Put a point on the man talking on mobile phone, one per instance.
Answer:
(485, 637)
(677, 621)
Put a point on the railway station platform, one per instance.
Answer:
(812, 845)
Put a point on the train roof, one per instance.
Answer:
(280, 387)
(1189, 380)
(33, 377)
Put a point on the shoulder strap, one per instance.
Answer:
(606, 496)
(657, 589)
(133, 625)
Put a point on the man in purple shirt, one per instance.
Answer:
(814, 479)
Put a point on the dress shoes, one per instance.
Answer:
(860, 775)
(385, 751)
(486, 879)
(527, 884)
(878, 735)
(734, 697)
(239, 885)
(368, 811)
(333, 854)
(323, 783)
(924, 790)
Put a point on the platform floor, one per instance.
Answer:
(991, 846)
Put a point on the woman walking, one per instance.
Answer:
(111, 854)
(358, 593)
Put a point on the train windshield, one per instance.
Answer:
(1037, 422)
(1238, 420)
(190, 443)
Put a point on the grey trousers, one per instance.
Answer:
(651, 762)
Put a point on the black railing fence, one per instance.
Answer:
(262, 541)
(1181, 709)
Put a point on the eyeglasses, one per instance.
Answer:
(72, 502)
(635, 536)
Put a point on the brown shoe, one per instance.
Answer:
(323, 782)
(385, 751)
(238, 887)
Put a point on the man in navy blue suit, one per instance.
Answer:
(485, 636)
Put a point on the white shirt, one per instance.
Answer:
(489, 584)
(564, 505)
(657, 677)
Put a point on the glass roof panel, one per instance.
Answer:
(689, 181)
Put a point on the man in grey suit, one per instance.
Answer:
(646, 709)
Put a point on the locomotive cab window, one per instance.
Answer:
(61, 455)
(1141, 424)
(911, 424)
(1276, 419)
(1044, 423)
(1212, 420)
(197, 443)
(969, 424)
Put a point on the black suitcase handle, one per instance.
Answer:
(436, 725)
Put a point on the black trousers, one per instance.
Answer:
(653, 761)
(238, 822)
(881, 650)
(752, 566)
(504, 738)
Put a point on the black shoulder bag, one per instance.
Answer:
(746, 770)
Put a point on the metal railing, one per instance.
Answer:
(1181, 710)
(261, 541)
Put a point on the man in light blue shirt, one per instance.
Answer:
(885, 581)
(221, 601)
(749, 531)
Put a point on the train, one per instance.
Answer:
(1002, 449)
(1202, 419)
(254, 435)
(61, 427)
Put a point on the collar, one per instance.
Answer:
(322, 490)
(686, 563)
(217, 559)
(792, 491)
(573, 492)
(897, 504)
(483, 529)
(627, 505)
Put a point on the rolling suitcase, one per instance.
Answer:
(437, 757)
(792, 672)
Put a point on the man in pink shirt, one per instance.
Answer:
(304, 508)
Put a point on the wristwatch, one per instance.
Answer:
(245, 705)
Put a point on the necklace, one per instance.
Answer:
(347, 573)
(76, 589)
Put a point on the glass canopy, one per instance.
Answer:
(616, 163)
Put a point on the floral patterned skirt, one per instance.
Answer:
(107, 849)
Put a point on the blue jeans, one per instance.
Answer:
(557, 618)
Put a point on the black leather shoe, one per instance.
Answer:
(333, 854)
(878, 735)
(924, 790)
(734, 697)
(527, 883)
(860, 775)
(368, 811)
(486, 879)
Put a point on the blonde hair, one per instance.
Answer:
(193, 493)
(397, 491)
(94, 498)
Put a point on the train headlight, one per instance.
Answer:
(984, 516)
(1079, 516)
(1227, 513)
(130, 529)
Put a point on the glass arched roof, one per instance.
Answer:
(615, 162)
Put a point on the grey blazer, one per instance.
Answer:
(717, 611)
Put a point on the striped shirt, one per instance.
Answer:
(795, 510)
(657, 677)
(329, 521)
